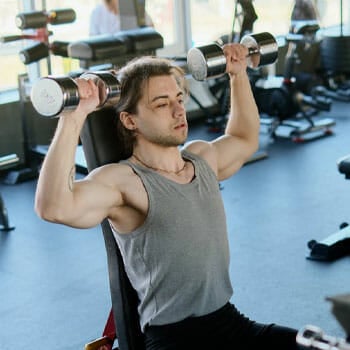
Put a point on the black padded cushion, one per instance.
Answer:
(98, 138)
(110, 46)
(60, 48)
(344, 166)
(97, 48)
(141, 39)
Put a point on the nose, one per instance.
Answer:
(179, 109)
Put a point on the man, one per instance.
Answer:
(105, 18)
(164, 204)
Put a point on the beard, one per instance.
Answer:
(167, 140)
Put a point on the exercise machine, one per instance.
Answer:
(313, 337)
(34, 26)
(116, 49)
(335, 53)
(37, 22)
(337, 244)
(292, 108)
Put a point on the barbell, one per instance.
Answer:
(209, 61)
(52, 95)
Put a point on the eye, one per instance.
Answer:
(162, 105)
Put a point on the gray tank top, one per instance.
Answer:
(178, 259)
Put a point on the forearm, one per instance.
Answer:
(55, 188)
(244, 119)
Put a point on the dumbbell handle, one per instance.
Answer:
(209, 61)
(51, 96)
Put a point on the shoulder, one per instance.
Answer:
(199, 147)
(193, 146)
(114, 174)
(203, 149)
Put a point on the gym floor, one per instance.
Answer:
(54, 282)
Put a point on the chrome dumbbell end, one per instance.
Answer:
(51, 96)
(108, 86)
(209, 61)
(262, 48)
(206, 61)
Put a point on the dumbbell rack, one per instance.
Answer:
(38, 21)
(292, 113)
(33, 153)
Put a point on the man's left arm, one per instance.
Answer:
(230, 151)
(241, 138)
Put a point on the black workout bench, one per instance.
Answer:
(336, 245)
(122, 330)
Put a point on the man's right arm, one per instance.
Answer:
(59, 197)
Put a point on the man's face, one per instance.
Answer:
(161, 116)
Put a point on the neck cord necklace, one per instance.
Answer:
(158, 169)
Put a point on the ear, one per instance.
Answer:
(127, 119)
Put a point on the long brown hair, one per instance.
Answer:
(132, 79)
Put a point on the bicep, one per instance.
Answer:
(92, 202)
(231, 153)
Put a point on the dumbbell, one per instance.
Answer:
(209, 61)
(52, 95)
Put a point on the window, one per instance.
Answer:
(162, 14)
(182, 23)
(330, 15)
(170, 18)
(9, 52)
(274, 17)
(210, 19)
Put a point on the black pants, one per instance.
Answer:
(224, 329)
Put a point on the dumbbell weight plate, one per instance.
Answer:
(263, 49)
(209, 61)
(206, 61)
(108, 87)
(50, 96)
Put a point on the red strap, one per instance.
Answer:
(109, 330)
